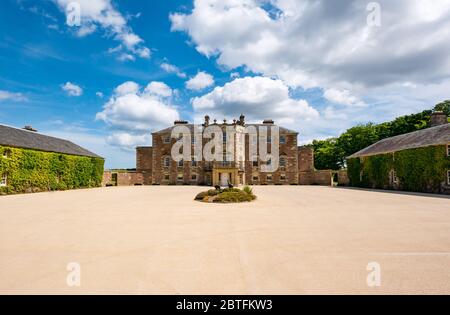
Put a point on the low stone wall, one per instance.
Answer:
(343, 178)
(123, 178)
(323, 178)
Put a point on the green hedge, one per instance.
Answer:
(33, 171)
(419, 170)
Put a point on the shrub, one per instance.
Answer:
(248, 190)
(213, 192)
(234, 196)
(202, 195)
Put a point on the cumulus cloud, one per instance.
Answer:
(132, 112)
(72, 89)
(328, 46)
(258, 98)
(169, 68)
(343, 97)
(315, 43)
(11, 96)
(102, 14)
(128, 141)
(200, 81)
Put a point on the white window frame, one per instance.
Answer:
(4, 180)
(282, 139)
(269, 177)
(448, 177)
(166, 139)
(194, 179)
(283, 177)
(178, 177)
(255, 178)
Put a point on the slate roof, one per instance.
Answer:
(190, 126)
(438, 135)
(20, 138)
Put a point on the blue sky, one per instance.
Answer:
(132, 67)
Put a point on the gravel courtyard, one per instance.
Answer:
(157, 240)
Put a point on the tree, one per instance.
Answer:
(443, 107)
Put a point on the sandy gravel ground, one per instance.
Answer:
(157, 240)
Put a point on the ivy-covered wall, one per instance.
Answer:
(34, 171)
(418, 170)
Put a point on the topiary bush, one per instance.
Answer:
(33, 171)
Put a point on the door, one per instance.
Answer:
(225, 178)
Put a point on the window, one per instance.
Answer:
(180, 176)
(269, 139)
(194, 162)
(269, 177)
(167, 139)
(3, 180)
(282, 139)
(224, 137)
(193, 139)
(393, 177)
(448, 177)
(7, 153)
(255, 163)
(193, 177)
(283, 177)
(282, 162)
(167, 161)
(180, 163)
(448, 149)
(167, 177)
(255, 178)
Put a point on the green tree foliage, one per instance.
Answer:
(443, 107)
(331, 153)
(32, 171)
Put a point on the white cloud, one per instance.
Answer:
(128, 141)
(159, 89)
(258, 98)
(328, 45)
(138, 112)
(200, 81)
(343, 97)
(11, 96)
(99, 94)
(72, 89)
(169, 68)
(103, 14)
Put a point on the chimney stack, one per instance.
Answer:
(438, 118)
(29, 128)
(180, 122)
(268, 122)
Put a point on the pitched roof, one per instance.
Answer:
(438, 135)
(20, 138)
(191, 126)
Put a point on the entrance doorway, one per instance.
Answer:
(224, 179)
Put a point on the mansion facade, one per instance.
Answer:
(155, 165)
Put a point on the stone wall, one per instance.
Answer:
(124, 178)
(308, 175)
(343, 179)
